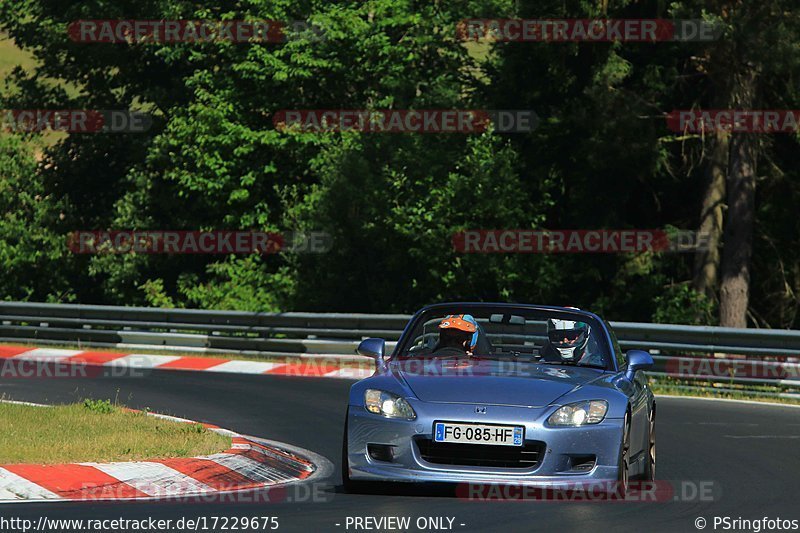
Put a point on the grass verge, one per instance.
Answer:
(97, 431)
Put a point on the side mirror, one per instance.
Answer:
(373, 348)
(637, 360)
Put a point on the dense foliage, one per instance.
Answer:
(602, 157)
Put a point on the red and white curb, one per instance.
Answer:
(249, 464)
(321, 367)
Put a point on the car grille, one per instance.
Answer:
(447, 453)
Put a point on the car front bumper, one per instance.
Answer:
(555, 468)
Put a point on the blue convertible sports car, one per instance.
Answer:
(501, 393)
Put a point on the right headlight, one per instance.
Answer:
(388, 404)
(579, 414)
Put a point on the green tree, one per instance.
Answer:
(33, 256)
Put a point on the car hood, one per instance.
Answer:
(490, 381)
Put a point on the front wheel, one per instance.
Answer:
(348, 484)
(649, 473)
(624, 453)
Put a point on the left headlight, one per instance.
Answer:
(388, 404)
(579, 414)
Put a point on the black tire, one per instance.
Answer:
(649, 473)
(347, 483)
(624, 459)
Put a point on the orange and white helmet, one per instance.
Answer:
(463, 323)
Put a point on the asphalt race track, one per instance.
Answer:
(746, 455)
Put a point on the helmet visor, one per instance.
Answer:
(566, 337)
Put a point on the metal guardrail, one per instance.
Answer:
(676, 348)
(708, 339)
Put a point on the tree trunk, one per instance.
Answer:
(707, 259)
(738, 237)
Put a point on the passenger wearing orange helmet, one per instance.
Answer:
(457, 336)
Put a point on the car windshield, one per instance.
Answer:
(546, 336)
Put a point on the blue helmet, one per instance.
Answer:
(474, 340)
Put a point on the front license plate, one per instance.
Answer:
(478, 434)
